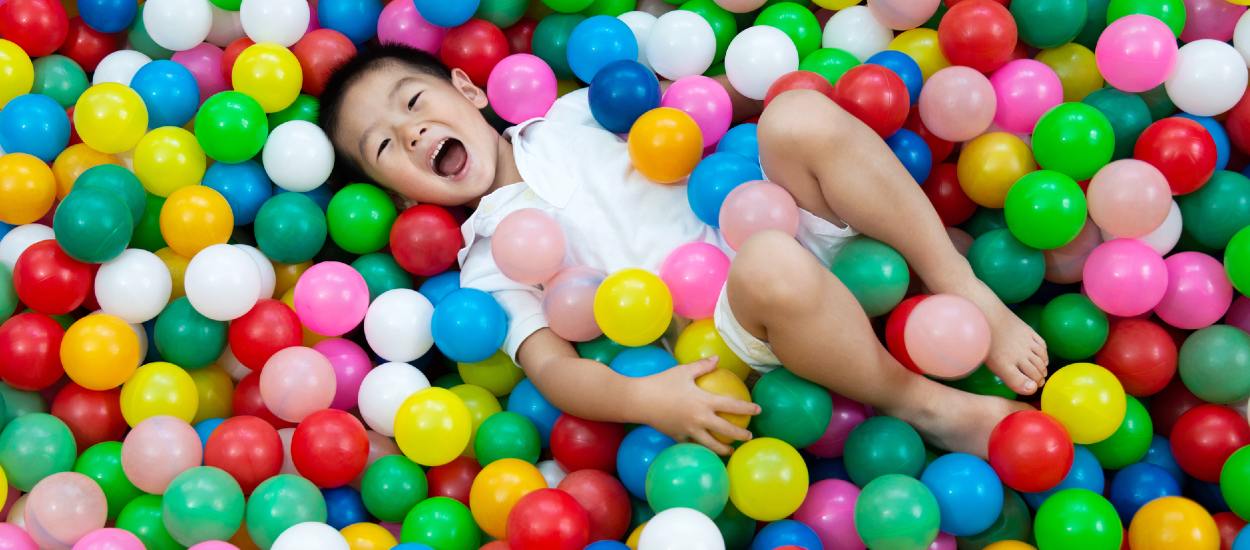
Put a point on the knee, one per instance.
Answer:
(801, 118)
(773, 270)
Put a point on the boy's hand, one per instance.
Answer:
(677, 407)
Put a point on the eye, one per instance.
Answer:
(413, 101)
(383, 145)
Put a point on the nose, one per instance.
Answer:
(411, 135)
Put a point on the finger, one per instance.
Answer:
(719, 425)
(701, 367)
(703, 438)
(734, 406)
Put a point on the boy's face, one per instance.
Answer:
(419, 135)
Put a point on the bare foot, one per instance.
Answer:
(961, 423)
(1017, 353)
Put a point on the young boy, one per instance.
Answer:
(403, 120)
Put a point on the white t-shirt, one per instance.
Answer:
(613, 217)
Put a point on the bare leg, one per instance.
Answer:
(840, 170)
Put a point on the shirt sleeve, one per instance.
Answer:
(523, 303)
(574, 108)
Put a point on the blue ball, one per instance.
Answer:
(820, 469)
(1160, 454)
(469, 326)
(527, 401)
(712, 180)
(786, 532)
(411, 546)
(1086, 473)
(356, 19)
(598, 41)
(1137, 484)
(1205, 493)
(913, 152)
(968, 492)
(344, 507)
(621, 92)
(4, 229)
(617, 545)
(108, 16)
(320, 195)
(244, 185)
(169, 91)
(1242, 542)
(1218, 134)
(34, 124)
(634, 457)
(151, 355)
(205, 428)
(741, 139)
(446, 13)
(439, 286)
(642, 361)
(905, 67)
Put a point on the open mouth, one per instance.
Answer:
(449, 158)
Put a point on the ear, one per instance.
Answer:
(461, 82)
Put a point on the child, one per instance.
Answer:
(403, 120)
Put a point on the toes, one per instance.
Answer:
(1017, 380)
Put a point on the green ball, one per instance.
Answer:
(142, 42)
(983, 381)
(202, 503)
(874, 272)
(1237, 260)
(1214, 363)
(228, 5)
(792, 409)
(1095, 22)
(290, 228)
(612, 8)
(147, 234)
(895, 512)
(830, 63)
(1031, 314)
(507, 435)
(1045, 209)
(798, 22)
(1078, 518)
(186, 338)
(391, 486)
(102, 463)
(305, 107)
(280, 502)
(568, 6)
(1171, 12)
(984, 220)
(1075, 139)
(735, 527)
(92, 225)
(360, 217)
(1015, 523)
(724, 25)
(503, 13)
(1048, 23)
(1128, 114)
(1074, 328)
(880, 446)
(1011, 269)
(551, 38)
(1217, 210)
(601, 349)
(640, 512)
(35, 446)
(1158, 102)
(1130, 442)
(1235, 482)
(231, 127)
(688, 475)
(60, 78)
(119, 181)
(442, 523)
(8, 295)
(448, 381)
(381, 273)
(19, 403)
(143, 518)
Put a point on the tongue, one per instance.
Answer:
(452, 158)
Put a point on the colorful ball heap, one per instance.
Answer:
(208, 342)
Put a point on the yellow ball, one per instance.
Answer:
(110, 118)
(481, 404)
(1077, 70)
(215, 391)
(665, 144)
(268, 73)
(100, 352)
(27, 188)
(633, 307)
(632, 541)
(368, 536)
(4, 485)
(723, 382)
(497, 373)
(194, 218)
(168, 159)
(177, 265)
(1010, 545)
(767, 479)
(158, 389)
(432, 427)
(286, 275)
(990, 164)
(17, 73)
(922, 46)
(835, 4)
(1170, 523)
(1087, 399)
(701, 340)
(497, 488)
(73, 161)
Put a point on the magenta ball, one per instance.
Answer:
(947, 336)
(63, 508)
(754, 207)
(706, 101)
(331, 298)
(350, 364)
(1125, 277)
(1136, 53)
(846, 415)
(1214, 19)
(401, 23)
(159, 449)
(569, 303)
(297, 382)
(109, 539)
(829, 509)
(695, 274)
(528, 246)
(944, 541)
(204, 62)
(521, 87)
(1198, 292)
(214, 545)
(1024, 89)
(13, 537)
(1239, 314)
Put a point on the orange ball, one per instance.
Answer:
(665, 144)
(194, 218)
(27, 188)
(724, 382)
(75, 160)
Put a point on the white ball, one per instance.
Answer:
(222, 282)
(268, 279)
(177, 24)
(680, 44)
(397, 325)
(1241, 36)
(119, 66)
(280, 21)
(18, 239)
(310, 535)
(227, 27)
(384, 389)
(1164, 238)
(298, 156)
(757, 57)
(552, 473)
(640, 23)
(134, 286)
(680, 529)
(288, 465)
(232, 366)
(856, 30)
(1209, 78)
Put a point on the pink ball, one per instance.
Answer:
(569, 303)
(331, 298)
(829, 509)
(350, 364)
(1024, 90)
(944, 541)
(739, 6)
(204, 62)
(846, 415)
(159, 449)
(521, 87)
(957, 103)
(947, 336)
(1125, 277)
(757, 206)
(109, 539)
(63, 508)
(1198, 291)
(379, 446)
(706, 101)
(1065, 264)
(1129, 198)
(13, 537)
(1214, 19)
(1136, 53)
(695, 273)
(297, 382)
(214, 545)
(528, 246)
(901, 15)
(401, 23)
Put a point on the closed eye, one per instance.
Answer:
(383, 145)
(413, 101)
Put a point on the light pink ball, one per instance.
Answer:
(401, 23)
(569, 303)
(204, 62)
(1198, 292)
(740, 6)
(901, 15)
(1125, 277)
(331, 298)
(528, 246)
(109, 539)
(829, 509)
(1136, 53)
(63, 508)
(1129, 198)
(1024, 90)
(379, 446)
(350, 364)
(947, 336)
(754, 207)
(297, 382)
(957, 103)
(1064, 265)
(521, 86)
(695, 274)
(706, 101)
(159, 449)
(214, 545)
(846, 415)
(1214, 19)
(13, 537)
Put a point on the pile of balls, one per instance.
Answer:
(206, 342)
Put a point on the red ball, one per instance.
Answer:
(939, 148)
(580, 444)
(268, 328)
(1238, 123)
(474, 47)
(874, 95)
(1229, 526)
(30, 351)
(51, 282)
(521, 35)
(949, 200)
(548, 519)
(798, 80)
(92, 416)
(1169, 405)
(454, 479)
(87, 46)
(1030, 451)
(1141, 354)
(38, 26)
(247, 401)
(605, 500)
(496, 545)
(1180, 148)
(247, 448)
(231, 54)
(978, 33)
(894, 326)
(1205, 437)
(330, 448)
(319, 53)
(425, 239)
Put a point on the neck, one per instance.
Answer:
(506, 172)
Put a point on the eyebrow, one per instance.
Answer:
(399, 84)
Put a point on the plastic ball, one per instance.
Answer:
(1208, 78)
(231, 127)
(577, 443)
(28, 187)
(330, 448)
(282, 23)
(247, 448)
(100, 352)
(298, 157)
(17, 69)
(968, 492)
(31, 344)
(1125, 277)
(1030, 451)
(157, 450)
(308, 534)
(270, 74)
(1072, 127)
(1138, 484)
(384, 390)
(34, 446)
(680, 44)
(957, 103)
(688, 476)
(548, 518)
(49, 281)
(1080, 515)
(297, 382)
(1087, 399)
(757, 57)
(432, 426)
(222, 282)
(876, 96)
(63, 508)
(1205, 436)
(1172, 522)
(476, 47)
(1181, 149)
(880, 446)
(897, 508)
(280, 503)
(680, 528)
(441, 522)
(34, 124)
(767, 479)
(498, 488)
(665, 144)
(201, 504)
